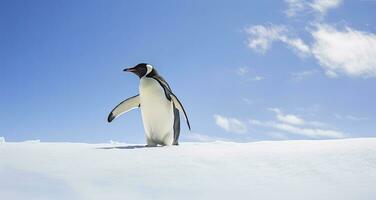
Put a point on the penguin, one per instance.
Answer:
(160, 108)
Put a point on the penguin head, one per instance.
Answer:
(141, 70)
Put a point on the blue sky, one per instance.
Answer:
(244, 70)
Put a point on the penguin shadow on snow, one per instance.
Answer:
(130, 147)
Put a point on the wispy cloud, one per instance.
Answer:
(230, 124)
(349, 117)
(293, 124)
(318, 7)
(304, 131)
(287, 118)
(295, 120)
(261, 38)
(294, 7)
(246, 72)
(322, 6)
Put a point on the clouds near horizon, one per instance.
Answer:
(292, 124)
(229, 124)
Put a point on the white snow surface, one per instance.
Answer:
(316, 169)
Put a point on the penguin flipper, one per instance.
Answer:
(123, 107)
(180, 107)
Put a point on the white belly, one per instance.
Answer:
(157, 112)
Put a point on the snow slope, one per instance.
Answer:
(321, 169)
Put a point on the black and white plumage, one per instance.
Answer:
(159, 106)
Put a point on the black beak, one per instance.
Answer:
(129, 70)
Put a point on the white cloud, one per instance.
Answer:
(294, 7)
(349, 117)
(349, 52)
(290, 119)
(304, 131)
(340, 52)
(230, 124)
(310, 132)
(297, 45)
(293, 124)
(258, 78)
(258, 123)
(344, 51)
(320, 7)
(295, 120)
(299, 76)
(260, 39)
(287, 118)
(317, 124)
(2, 140)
